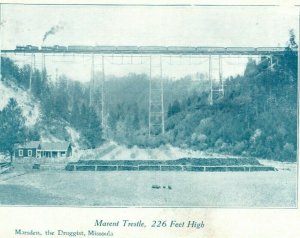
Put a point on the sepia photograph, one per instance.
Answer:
(149, 106)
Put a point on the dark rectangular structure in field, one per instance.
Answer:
(184, 164)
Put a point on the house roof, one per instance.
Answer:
(61, 146)
(29, 145)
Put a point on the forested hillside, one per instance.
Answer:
(63, 103)
(67, 103)
(256, 117)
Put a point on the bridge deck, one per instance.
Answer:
(161, 50)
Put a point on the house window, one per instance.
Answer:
(20, 152)
(63, 153)
(29, 153)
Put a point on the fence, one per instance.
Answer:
(61, 160)
(81, 167)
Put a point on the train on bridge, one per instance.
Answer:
(150, 49)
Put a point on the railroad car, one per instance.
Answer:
(20, 48)
(270, 49)
(240, 49)
(127, 48)
(153, 49)
(27, 48)
(59, 48)
(104, 48)
(181, 49)
(32, 48)
(79, 48)
(47, 48)
(211, 49)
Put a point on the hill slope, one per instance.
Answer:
(48, 129)
(30, 107)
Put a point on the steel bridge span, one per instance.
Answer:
(171, 50)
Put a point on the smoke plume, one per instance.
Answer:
(52, 31)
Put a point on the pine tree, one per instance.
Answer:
(61, 99)
(75, 114)
(12, 129)
(174, 108)
(91, 127)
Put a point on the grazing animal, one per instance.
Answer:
(156, 186)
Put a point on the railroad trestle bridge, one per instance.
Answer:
(155, 57)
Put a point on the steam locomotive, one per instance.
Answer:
(26, 48)
(54, 48)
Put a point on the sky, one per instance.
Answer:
(140, 26)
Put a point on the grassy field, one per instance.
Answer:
(134, 188)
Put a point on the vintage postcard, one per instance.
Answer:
(144, 119)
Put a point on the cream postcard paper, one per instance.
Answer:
(144, 119)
